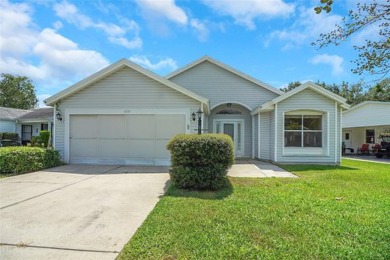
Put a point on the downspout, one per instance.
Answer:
(336, 153)
(276, 134)
(253, 137)
(258, 136)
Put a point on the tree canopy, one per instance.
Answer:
(17, 92)
(354, 93)
(373, 53)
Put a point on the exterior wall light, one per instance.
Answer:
(193, 116)
(58, 115)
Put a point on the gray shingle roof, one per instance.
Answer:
(8, 113)
(39, 113)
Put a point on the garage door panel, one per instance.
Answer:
(111, 148)
(169, 125)
(112, 126)
(84, 126)
(83, 147)
(140, 148)
(161, 149)
(140, 126)
(128, 139)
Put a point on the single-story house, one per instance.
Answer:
(26, 123)
(125, 114)
(363, 123)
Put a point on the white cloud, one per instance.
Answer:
(64, 56)
(116, 34)
(165, 63)
(334, 61)
(41, 98)
(368, 33)
(17, 32)
(245, 12)
(307, 27)
(201, 29)
(59, 59)
(163, 9)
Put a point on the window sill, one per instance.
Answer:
(307, 151)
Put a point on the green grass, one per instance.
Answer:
(329, 212)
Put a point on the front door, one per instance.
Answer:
(234, 129)
(26, 133)
(347, 139)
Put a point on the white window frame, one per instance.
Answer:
(242, 134)
(308, 151)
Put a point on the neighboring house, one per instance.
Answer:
(363, 123)
(125, 114)
(8, 118)
(26, 123)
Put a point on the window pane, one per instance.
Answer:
(312, 123)
(228, 112)
(370, 136)
(312, 139)
(293, 123)
(292, 139)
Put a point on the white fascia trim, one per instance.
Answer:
(226, 67)
(269, 106)
(310, 85)
(233, 102)
(29, 121)
(115, 67)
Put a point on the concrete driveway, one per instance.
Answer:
(76, 211)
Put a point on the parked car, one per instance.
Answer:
(384, 148)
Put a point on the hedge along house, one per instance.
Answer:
(125, 114)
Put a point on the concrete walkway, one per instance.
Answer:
(258, 169)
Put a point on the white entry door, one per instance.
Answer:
(347, 139)
(235, 129)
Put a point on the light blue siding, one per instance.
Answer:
(124, 90)
(222, 86)
(309, 100)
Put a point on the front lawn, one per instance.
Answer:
(329, 212)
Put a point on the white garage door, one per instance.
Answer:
(123, 139)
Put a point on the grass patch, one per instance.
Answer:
(329, 212)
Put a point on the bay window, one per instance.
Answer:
(303, 131)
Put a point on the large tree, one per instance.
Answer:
(373, 53)
(380, 91)
(354, 93)
(17, 92)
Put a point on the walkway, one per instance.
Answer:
(257, 169)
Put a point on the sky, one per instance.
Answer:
(58, 43)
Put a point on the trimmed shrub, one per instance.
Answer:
(35, 141)
(17, 160)
(10, 136)
(200, 161)
(9, 139)
(44, 136)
